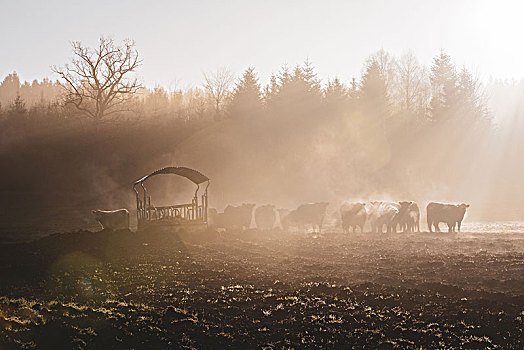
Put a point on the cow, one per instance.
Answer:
(215, 219)
(306, 214)
(409, 217)
(238, 217)
(353, 215)
(265, 217)
(383, 213)
(451, 214)
(112, 219)
(282, 213)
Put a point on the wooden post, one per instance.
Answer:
(149, 207)
(137, 210)
(144, 214)
(205, 209)
(195, 217)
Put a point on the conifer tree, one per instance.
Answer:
(444, 87)
(246, 96)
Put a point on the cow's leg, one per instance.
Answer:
(430, 224)
(458, 225)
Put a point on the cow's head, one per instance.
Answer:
(404, 205)
(248, 206)
(97, 213)
(361, 205)
(283, 212)
(462, 209)
(323, 205)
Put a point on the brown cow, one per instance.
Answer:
(265, 217)
(409, 217)
(238, 217)
(451, 214)
(306, 214)
(215, 219)
(353, 215)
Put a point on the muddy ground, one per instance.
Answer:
(257, 289)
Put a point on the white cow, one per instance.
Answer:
(383, 213)
(112, 219)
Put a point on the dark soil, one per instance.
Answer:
(252, 289)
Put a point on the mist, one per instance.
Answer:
(400, 131)
(287, 136)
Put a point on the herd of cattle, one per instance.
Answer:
(402, 215)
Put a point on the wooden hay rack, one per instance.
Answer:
(176, 215)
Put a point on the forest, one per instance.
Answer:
(399, 130)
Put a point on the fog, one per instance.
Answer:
(300, 129)
(400, 131)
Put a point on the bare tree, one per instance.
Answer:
(412, 83)
(218, 85)
(99, 81)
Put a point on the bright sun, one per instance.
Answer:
(497, 32)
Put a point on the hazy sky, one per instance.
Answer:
(178, 40)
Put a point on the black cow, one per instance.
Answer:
(353, 215)
(306, 214)
(409, 217)
(451, 214)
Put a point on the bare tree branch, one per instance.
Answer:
(218, 85)
(97, 81)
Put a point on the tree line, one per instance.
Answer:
(400, 128)
(99, 82)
